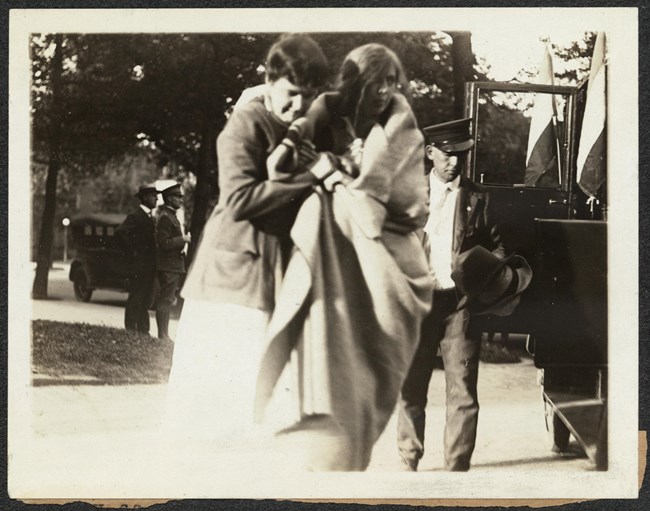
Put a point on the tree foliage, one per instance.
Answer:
(170, 94)
(573, 61)
(131, 104)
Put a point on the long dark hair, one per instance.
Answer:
(361, 67)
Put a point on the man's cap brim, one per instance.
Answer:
(458, 147)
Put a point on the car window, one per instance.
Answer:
(521, 138)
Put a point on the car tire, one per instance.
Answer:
(81, 290)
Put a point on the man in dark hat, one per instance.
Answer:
(137, 235)
(172, 246)
(458, 221)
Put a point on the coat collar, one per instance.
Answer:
(147, 211)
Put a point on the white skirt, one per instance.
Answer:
(211, 389)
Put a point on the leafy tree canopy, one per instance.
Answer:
(142, 101)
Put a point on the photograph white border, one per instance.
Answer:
(621, 26)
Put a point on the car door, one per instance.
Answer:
(524, 154)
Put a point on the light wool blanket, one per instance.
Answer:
(354, 294)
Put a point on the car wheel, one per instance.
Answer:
(81, 290)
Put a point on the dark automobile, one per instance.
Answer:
(100, 262)
(563, 236)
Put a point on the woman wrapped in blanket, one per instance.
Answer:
(357, 285)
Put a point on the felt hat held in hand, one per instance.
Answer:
(490, 285)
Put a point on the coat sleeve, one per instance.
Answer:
(242, 153)
(315, 120)
(126, 234)
(167, 235)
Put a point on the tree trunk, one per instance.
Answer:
(463, 62)
(46, 237)
(213, 122)
(203, 191)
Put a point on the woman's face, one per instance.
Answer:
(379, 92)
(289, 101)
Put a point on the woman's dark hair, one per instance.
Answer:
(361, 67)
(299, 59)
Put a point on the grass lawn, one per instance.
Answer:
(112, 355)
(115, 356)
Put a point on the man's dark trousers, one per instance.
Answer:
(136, 313)
(446, 328)
(168, 282)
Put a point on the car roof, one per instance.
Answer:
(98, 219)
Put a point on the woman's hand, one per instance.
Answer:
(355, 151)
(350, 161)
(348, 166)
(335, 178)
(327, 171)
(323, 166)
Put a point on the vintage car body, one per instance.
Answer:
(570, 333)
(564, 238)
(100, 262)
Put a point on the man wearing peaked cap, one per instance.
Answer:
(172, 242)
(137, 236)
(174, 190)
(459, 220)
(450, 137)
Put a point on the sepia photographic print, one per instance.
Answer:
(352, 253)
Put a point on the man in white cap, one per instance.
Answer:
(172, 241)
(459, 220)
